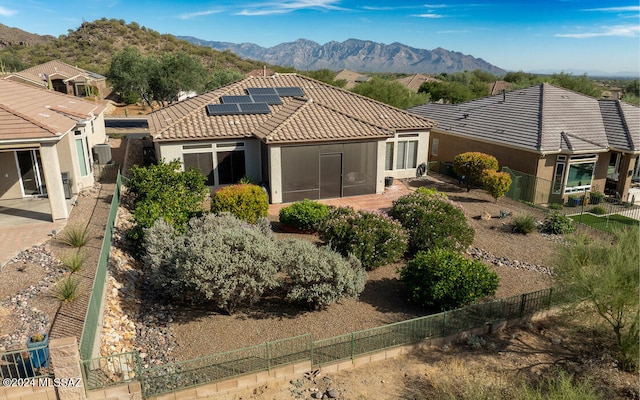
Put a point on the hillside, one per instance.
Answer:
(92, 45)
(356, 55)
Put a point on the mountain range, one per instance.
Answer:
(355, 55)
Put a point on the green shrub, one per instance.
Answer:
(245, 201)
(556, 206)
(496, 183)
(373, 238)
(445, 279)
(220, 259)
(524, 224)
(432, 222)
(305, 215)
(66, 289)
(472, 165)
(598, 210)
(163, 191)
(74, 235)
(318, 277)
(74, 262)
(558, 224)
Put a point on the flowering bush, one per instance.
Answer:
(305, 215)
(373, 238)
(447, 280)
(245, 201)
(432, 221)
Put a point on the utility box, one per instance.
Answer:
(66, 185)
(102, 153)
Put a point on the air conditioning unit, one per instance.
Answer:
(102, 153)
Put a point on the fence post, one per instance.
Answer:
(311, 342)
(523, 301)
(268, 356)
(549, 301)
(353, 346)
(444, 323)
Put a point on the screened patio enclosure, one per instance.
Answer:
(328, 171)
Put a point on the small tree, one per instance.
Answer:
(432, 221)
(471, 165)
(447, 280)
(246, 201)
(496, 183)
(604, 276)
(318, 277)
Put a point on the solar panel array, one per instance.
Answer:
(256, 101)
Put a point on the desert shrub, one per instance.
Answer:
(318, 276)
(305, 214)
(432, 222)
(598, 210)
(557, 224)
(66, 289)
(74, 235)
(524, 223)
(496, 183)
(372, 238)
(472, 164)
(245, 201)
(559, 385)
(74, 262)
(445, 279)
(163, 191)
(220, 259)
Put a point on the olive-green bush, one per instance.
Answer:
(246, 201)
(305, 215)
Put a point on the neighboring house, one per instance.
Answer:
(299, 137)
(260, 72)
(570, 141)
(413, 82)
(352, 78)
(498, 87)
(46, 143)
(62, 78)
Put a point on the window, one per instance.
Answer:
(231, 166)
(434, 147)
(613, 169)
(388, 159)
(82, 148)
(203, 162)
(579, 175)
(558, 175)
(407, 154)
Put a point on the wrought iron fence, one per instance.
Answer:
(91, 321)
(111, 370)
(22, 366)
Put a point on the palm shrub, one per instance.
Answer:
(246, 201)
(558, 224)
(374, 239)
(318, 276)
(305, 215)
(524, 224)
(445, 279)
(74, 235)
(432, 221)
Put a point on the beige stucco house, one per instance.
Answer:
(63, 78)
(571, 142)
(297, 136)
(46, 144)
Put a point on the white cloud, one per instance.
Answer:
(615, 9)
(286, 7)
(198, 14)
(429, 15)
(5, 12)
(607, 31)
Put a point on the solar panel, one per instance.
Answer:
(261, 90)
(266, 98)
(289, 91)
(236, 99)
(223, 109)
(254, 108)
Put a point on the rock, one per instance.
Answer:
(333, 393)
(485, 216)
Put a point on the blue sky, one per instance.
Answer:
(555, 35)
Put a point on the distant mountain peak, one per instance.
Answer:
(355, 55)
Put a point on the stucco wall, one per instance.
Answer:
(422, 156)
(9, 179)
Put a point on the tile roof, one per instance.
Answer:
(541, 118)
(622, 123)
(413, 82)
(324, 113)
(28, 112)
(54, 69)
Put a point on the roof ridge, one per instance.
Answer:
(584, 140)
(297, 109)
(541, 124)
(623, 119)
(27, 118)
